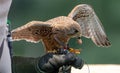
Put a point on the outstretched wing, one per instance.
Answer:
(90, 24)
(32, 31)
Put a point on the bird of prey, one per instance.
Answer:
(55, 33)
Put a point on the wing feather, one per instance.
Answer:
(32, 31)
(90, 24)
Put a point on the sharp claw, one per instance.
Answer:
(76, 51)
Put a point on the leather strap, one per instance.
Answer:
(1, 48)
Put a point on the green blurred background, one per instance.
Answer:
(23, 11)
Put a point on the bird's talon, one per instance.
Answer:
(76, 51)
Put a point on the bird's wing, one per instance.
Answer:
(32, 31)
(90, 24)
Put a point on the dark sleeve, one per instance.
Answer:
(23, 64)
(48, 63)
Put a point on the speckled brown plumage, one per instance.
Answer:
(59, 27)
(55, 33)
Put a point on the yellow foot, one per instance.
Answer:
(76, 51)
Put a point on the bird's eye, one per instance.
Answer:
(76, 31)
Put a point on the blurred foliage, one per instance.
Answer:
(23, 11)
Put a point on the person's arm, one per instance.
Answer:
(4, 9)
(5, 61)
(48, 63)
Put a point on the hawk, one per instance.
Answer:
(55, 33)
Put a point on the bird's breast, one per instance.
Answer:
(51, 45)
